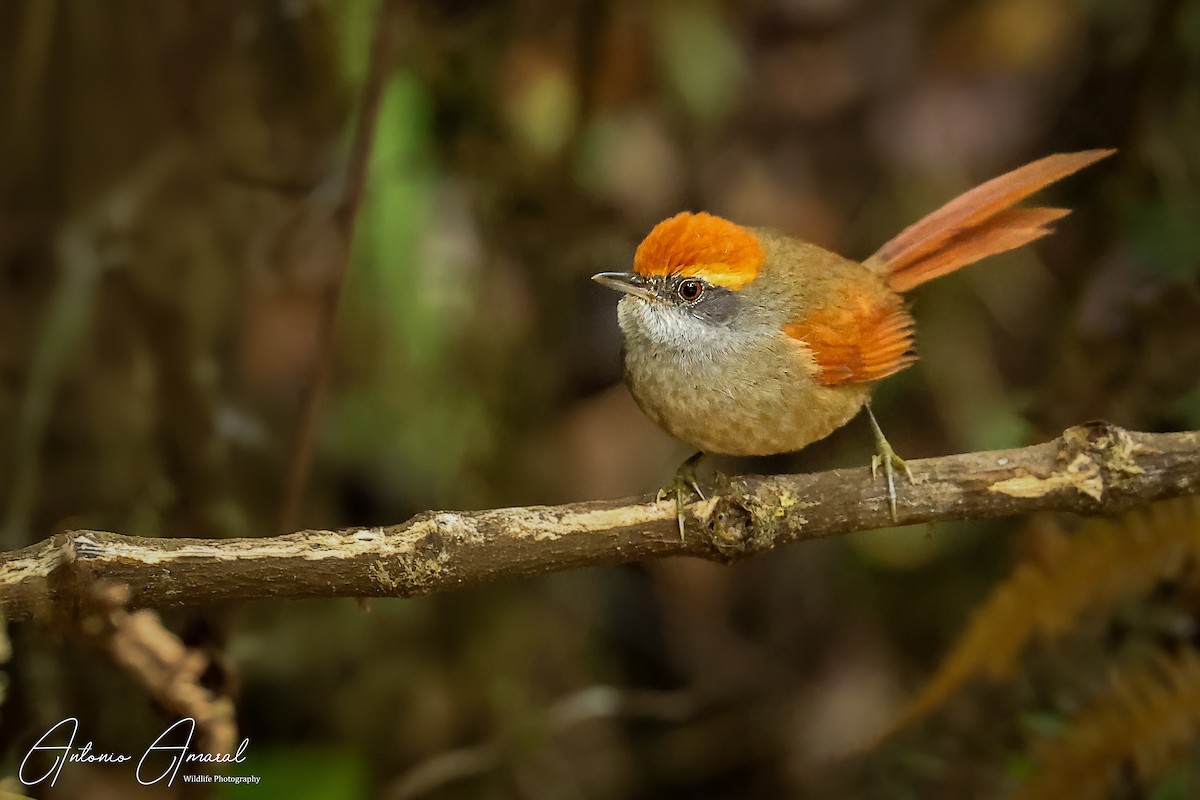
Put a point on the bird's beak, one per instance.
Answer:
(627, 282)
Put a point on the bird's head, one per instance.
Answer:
(690, 266)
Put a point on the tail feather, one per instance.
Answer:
(1006, 230)
(979, 223)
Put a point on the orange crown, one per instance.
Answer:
(701, 246)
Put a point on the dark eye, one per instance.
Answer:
(690, 290)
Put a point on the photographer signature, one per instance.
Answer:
(49, 746)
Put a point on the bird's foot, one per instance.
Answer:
(886, 457)
(681, 485)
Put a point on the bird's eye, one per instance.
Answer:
(690, 290)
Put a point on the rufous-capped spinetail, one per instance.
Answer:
(747, 341)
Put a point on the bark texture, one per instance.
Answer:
(1095, 468)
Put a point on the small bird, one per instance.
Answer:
(749, 342)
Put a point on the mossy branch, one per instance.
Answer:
(1093, 468)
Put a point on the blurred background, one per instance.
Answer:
(170, 174)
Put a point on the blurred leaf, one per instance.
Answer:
(395, 219)
(701, 58)
(543, 109)
(1189, 28)
(1168, 238)
(298, 774)
(1025, 35)
(1182, 784)
(630, 159)
(408, 411)
(997, 427)
(1019, 766)
(1043, 723)
(1188, 407)
(1104, 563)
(1138, 731)
(902, 548)
(356, 23)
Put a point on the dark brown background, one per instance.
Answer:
(168, 172)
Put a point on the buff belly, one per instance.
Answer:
(745, 406)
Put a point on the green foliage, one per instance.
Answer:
(404, 308)
(700, 58)
(1167, 237)
(299, 773)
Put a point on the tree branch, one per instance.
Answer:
(1093, 468)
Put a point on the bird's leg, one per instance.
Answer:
(684, 480)
(886, 456)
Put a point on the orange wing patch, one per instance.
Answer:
(701, 245)
(860, 339)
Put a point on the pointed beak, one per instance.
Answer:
(627, 282)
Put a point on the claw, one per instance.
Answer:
(685, 478)
(886, 457)
(679, 513)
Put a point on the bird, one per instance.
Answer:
(747, 341)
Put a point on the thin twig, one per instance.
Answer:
(1093, 468)
(344, 218)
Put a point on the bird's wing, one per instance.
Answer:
(860, 337)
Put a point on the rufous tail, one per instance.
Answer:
(978, 224)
